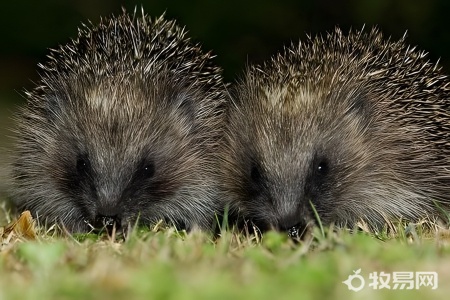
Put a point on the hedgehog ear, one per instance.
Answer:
(186, 106)
(360, 104)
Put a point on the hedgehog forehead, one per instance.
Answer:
(99, 101)
(129, 120)
(298, 123)
(285, 134)
(112, 98)
(286, 98)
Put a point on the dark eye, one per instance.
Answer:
(322, 168)
(83, 165)
(147, 170)
(255, 174)
(255, 181)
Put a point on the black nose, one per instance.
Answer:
(295, 231)
(102, 222)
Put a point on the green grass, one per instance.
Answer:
(165, 264)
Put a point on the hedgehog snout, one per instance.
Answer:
(292, 214)
(107, 217)
(295, 224)
(107, 222)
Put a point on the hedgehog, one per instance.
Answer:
(122, 129)
(341, 129)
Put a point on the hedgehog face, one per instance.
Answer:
(141, 168)
(295, 155)
(111, 159)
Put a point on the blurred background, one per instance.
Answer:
(238, 32)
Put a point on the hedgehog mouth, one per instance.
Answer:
(109, 224)
(296, 232)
